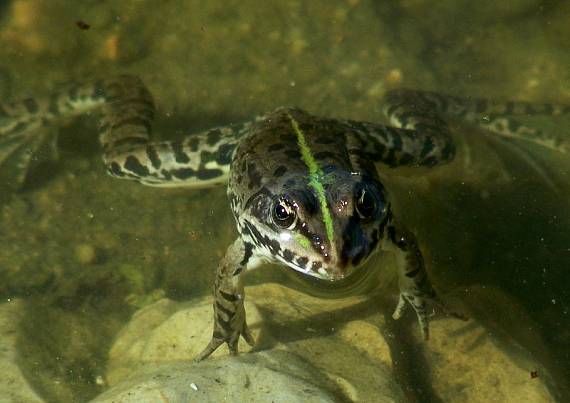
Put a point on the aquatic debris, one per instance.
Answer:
(82, 25)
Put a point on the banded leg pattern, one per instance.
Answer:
(423, 140)
(198, 160)
(127, 111)
(419, 136)
(495, 116)
(229, 310)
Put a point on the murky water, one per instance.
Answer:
(84, 251)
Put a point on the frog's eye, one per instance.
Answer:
(284, 215)
(365, 204)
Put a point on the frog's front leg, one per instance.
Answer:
(414, 284)
(229, 310)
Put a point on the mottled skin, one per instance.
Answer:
(304, 190)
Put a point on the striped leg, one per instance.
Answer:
(198, 160)
(229, 311)
(494, 116)
(422, 141)
(127, 111)
(419, 135)
(415, 287)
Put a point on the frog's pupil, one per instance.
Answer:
(281, 212)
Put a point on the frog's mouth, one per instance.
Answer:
(356, 280)
(329, 270)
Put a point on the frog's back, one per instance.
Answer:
(283, 144)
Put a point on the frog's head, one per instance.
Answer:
(323, 228)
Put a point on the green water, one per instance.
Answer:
(85, 251)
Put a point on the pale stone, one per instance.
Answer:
(321, 331)
(169, 331)
(85, 253)
(277, 377)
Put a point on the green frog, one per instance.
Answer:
(304, 190)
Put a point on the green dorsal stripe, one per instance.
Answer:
(315, 176)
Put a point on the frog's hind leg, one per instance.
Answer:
(499, 120)
(410, 109)
(127, 110)
(494, 116)
(198, 160)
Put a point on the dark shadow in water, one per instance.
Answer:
(411, 367)
(516, 240)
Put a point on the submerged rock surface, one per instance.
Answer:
(309, 348)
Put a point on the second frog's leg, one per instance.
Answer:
(229, 295)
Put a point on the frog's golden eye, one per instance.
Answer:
(365, 204)
(284, 215)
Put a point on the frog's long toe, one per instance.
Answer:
(232, 341)
(420, 304)
(212, 346)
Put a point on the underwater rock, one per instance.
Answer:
(85, 253)
(13, 385)
(340, 340)
(169, 331)
(278, 376)
(327, 334)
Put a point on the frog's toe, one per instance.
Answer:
(400, 308)
(210, 348)
(420, 305)
(231, 339)
(247, 336)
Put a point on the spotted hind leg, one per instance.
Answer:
(495, 116)
(197, 160)
(127, 111)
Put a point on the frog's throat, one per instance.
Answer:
(315, 178)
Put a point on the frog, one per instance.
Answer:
(305, 191)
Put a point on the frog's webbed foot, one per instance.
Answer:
(415, 287)
(420, 305)
(229, 333)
